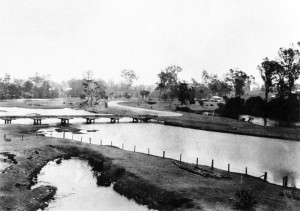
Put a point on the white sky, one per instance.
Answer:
(65, 38)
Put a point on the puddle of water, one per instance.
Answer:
(77, 188)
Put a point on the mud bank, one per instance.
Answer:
(149, 180)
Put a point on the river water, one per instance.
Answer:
(277, 157)
(270, 122)
(77, 189)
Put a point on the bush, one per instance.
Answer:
(221, 109)
(185, 109)
(234, 107)
(255, 106)
(284, 109)
(244, 199)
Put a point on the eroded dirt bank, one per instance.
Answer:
(149, 180)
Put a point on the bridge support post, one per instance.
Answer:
(89, 121)
(37, 121)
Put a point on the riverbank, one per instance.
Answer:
(153, 181)
(218, 124)
(188, 120)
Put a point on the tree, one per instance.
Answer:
(185, 93)
(28, 89)
(219, 87)
(238, 80)
(289, 58)
(129, 76)
(144, 93)
(234, 107)
(162, 84)
(76, 87)
(268, 71)
(168, 82)
(92, 90)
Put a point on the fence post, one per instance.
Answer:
(81, 138)
(286, 181)
(246, 171)
(163, 154)
(180, 158)
(212, 164)
(283, 181)
(134, 149)
(111, 143)
(148, 151)
(122, 146)
(265, 176)
(90, 140)
(228, 167)
(64, 135)
(101, 142)
(197, 162)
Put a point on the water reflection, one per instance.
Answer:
(277, 157)
(77, 189)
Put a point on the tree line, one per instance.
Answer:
(38, 86)
(279, 76)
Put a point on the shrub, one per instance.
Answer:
(244, 199)
(255, 106)
(234, 107)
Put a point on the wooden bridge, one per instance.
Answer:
(37, 119)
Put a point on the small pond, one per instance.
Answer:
(77, 188)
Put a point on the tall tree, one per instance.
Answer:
(268, 71)
(168, 81)
(238, 80)
(185, 93)
(129, 76)
(289, 58)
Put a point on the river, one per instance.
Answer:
(277, 157)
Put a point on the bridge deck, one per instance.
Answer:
(96, 116)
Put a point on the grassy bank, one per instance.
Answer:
(219, 124)
(149, 180)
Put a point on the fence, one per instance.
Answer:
(264, 177)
